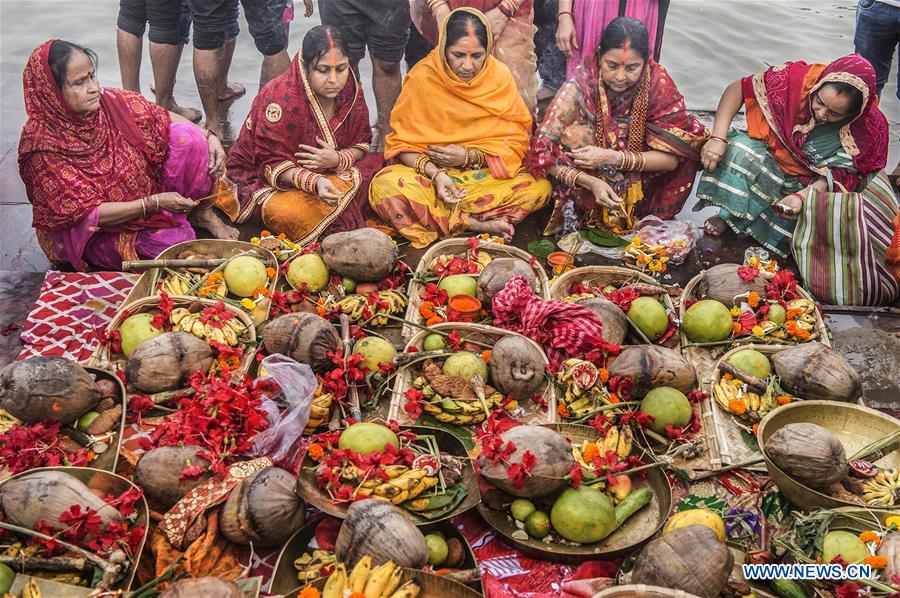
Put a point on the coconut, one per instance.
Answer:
(690, 559)
(135, 330)
(651, 366)
(165, 362)
(615, 322)
(308, 271)
(367, 437)
(808, 453)
(890, 549)
(244, 275)
(668, 407)
(263, 510)
(208, 587)
(553, 455)
(459, 284)
(814, 371)
(158, 472)
(382, 531)
(722, 283)
(500, 271)
(707, 321)
(650, 316)
(305, 338)
(45, 495)
(365, 255)
(465, 365)
(376, 351)
(517, 367)
(584, 515)
(47, 388)
(752, 361)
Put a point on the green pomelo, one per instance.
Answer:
(751, 360)
(583, 515)
(777, 313)
(85, 420)
(650, 316)
(537, 525)
(376, 351)
(707, 321)
(466, 365)
(437, 549)
(459, 284)
(348, 284)
(434, 342)
(245, 274)
(310, 270)
(135, 330)
(367, 437)
(846, 545)
(668, 407)
(7, 577)
(521, 508)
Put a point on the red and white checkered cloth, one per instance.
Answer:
(563, 329)
(70, 307)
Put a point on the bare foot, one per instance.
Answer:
(498, 227)
(192, 114)
(210, 220)
(545, 93)
(715, 226)
(231, 91)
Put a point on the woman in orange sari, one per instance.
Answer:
(460, 133)
(302, 161)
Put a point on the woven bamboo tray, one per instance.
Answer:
(431, 585)
(458, 246)
(101, 483)
(223, 249)
(642, 591)
(104, 359)
(473, 332)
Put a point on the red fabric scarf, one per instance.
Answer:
(72, 164)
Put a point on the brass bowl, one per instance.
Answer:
(637, 530)
(854, 426)
(284, 575)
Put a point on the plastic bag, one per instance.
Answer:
(298, 385)
(676, 235)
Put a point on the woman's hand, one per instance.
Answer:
(712, 153)
(447, 156)
(497, 20)
(566, 40)
(592, 157)
(603, 193)
(789, 206)
(446, 190)
(172, 202)
(327, 192)
(324, 157)
(216, 156)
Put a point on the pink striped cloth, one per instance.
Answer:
(563, 329)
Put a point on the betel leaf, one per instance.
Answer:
(541, 248)
(602, 238)
(461, 433)
(750, 440)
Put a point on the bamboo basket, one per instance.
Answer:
(459, 245)
(101, 483)
(103, 357)
(474, 332)
(224, 249)
(642, 591)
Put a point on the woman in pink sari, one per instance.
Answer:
(110, 176)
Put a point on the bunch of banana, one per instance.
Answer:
(884, 489)
(461, 412)
(31, 589)
(309, 565)
(181, 285)
(584, 390)
(354, 476)
(7, 421)
(619, 440)
(372, 582)
(404, 487)
(320, 410)
(578, 297)
(482, 259)
(184, 321)
(735, 398)
(355, 306)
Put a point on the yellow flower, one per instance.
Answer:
(893, 521)
(758, 331)
(248, 303)
(753, 262)
(772, 266)
(736, 312)
(255, 240)
(656, 266)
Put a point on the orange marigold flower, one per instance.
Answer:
(869, 536)
(793, 314)
(876, 562)
(434, 320)
(755, 429)
(727, 376)
(315, 451)
(426, 310)
(282, 237)
(735, 327)
(486, 356)
(356, 595)
(783, 400)
(604, 375)
(321, 310)
(265, 233)
(260, 292)
(270, 272)
(309, 592)
(591, 451)
(562, 410)
(614, 398)
(802, 334)
(753, 299)
(215, 277)
(737, 406)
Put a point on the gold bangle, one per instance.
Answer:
(437, 172)
(144, 206)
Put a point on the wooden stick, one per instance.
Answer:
(60, 564)
(404, 358)
(463, 576)
(433, 331)
(744, 376)
(172, 263)
(885, 445)
(355, 411)
(741, 465)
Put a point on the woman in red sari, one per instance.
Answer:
(617, 137)
(302, 161)
(110, 176)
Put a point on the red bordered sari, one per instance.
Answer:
(285, 114)
(651, 115)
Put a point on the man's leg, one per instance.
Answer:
(130, 27)
(386, 83)
(229, 90)
(389, 24)
(551, 61)
(210, 18)
(165, 48)
(877, 37)
(265, 19)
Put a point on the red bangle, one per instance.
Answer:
(565, 12)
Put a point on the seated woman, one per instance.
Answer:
(110, 176)
(617, 136)
(302, 161)
(815, 149)
(460, 131)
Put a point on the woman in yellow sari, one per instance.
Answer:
(460, 131)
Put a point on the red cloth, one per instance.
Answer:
(563, 329)
(72, 164)
(784, 99)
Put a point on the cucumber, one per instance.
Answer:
(631, 504)
(787, 588)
